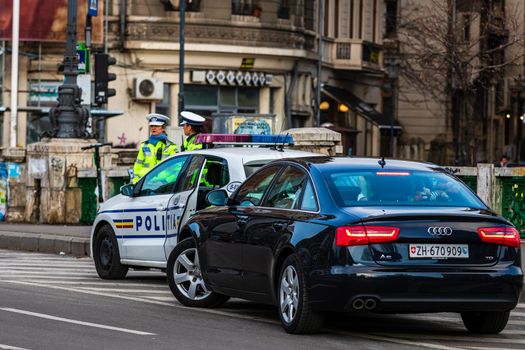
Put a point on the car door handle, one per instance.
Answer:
(161, 208)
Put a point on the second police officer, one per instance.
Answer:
(192, 124)
(156, 148)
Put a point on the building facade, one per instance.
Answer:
(460, 86)
(250, 66)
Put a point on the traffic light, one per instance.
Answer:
(103, 77)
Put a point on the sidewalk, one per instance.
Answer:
(70, 240)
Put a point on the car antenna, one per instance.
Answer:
(382, 162)
(281, 149)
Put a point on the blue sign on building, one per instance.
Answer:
(93, 8)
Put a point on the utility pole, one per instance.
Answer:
(182, 28)
(69, 117)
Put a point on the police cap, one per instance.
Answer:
(157, 119)
(191, 118)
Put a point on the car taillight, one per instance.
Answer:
(360, 235)
(504, 235)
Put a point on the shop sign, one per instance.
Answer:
(44, 91)
(248, 63)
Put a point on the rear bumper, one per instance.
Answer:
(338, 288)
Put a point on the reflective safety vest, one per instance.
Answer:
(150, 155)
(190, 145)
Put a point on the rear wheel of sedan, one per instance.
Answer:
(185, 278)
(106, 255)
(295, 311)
(490, 322)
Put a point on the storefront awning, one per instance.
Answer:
(359, 106)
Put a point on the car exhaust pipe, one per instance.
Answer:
(358, 304)
(370, 304)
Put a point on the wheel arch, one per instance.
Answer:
(96, 231)
(283, 254)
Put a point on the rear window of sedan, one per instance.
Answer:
(408, 188)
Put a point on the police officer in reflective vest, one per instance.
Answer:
(156, 148)
(192, 124)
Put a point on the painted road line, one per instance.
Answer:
(396, 340)
(9, 347)
(68, 320)
(455, 338)
(173, 303)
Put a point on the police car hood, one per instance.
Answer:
(110, 203)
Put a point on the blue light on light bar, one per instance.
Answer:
(244, 139)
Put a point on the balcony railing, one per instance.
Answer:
(353, 54)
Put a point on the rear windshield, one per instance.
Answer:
(410, 188)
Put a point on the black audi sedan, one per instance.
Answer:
(323, 234)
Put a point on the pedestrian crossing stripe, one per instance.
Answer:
(124, 223)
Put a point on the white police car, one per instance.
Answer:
(139, 227)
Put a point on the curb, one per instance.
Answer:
(45, 243)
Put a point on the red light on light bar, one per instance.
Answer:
(392, 173)
(361, 235)
(504, 235)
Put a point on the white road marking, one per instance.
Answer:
(454, 319)
(167, 292)
(458, 338)
(98, 283)
(9, 347)
(399, 341)
(67, 320)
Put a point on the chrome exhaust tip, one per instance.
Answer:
(358, 304)
(370, 304)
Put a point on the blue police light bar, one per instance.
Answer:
(245, 139)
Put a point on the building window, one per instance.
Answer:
(466, 27)
(246, 8)
(163, 107)
(206, 99)
(173, 5)
(309, 13)
(284, 10)
(391, 18)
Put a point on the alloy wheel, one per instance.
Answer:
(188, 277)
(289, 294)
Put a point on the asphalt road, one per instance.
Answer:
(56, 302)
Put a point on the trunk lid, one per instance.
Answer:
(435, 236)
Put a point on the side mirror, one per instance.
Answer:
(127, 190)
(217, 197)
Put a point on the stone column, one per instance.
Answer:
(53, 195)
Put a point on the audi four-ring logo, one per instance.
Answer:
(439, 231)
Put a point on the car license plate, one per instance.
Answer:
(438, 251)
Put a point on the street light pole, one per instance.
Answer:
(319, 64)
(182, 28)
(69, 117)
(14, 74)
(391, 67)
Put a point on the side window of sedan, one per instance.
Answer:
(287, 190)
(162, 179)
(309, 202)
(252, 191)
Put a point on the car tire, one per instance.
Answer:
(107, 256)
(490, 322)
(295, 311)
(185, 278)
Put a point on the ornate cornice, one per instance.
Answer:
(168, 31)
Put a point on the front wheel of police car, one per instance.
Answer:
(107, 256)
(185, 278)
